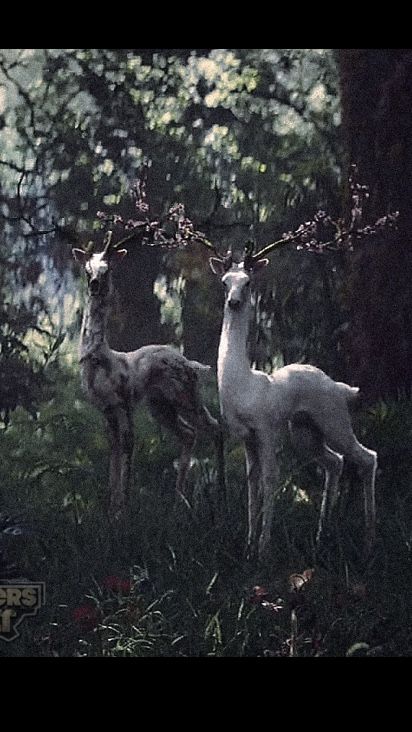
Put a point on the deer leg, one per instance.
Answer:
(187, 434)
(252, 472)
(270, 477)
(309, 440)
(114, 463)
(339, 436)
(367, 462)
(126, 448)
(121, 443)
(332, 464)
(213, 425)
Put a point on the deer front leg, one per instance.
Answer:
(270, 477)
(126, 453)
(252, 473)
(120, 428)
(114, 460)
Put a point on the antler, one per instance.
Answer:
(107, 242)
(227, 258)
(152, 233)
(251, 256)
(316, 235)
(320, 234)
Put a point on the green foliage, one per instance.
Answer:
(242, 137)
(22, 373)
(172, 580)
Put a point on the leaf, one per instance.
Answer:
(259, 593)
(177, 640)
(297, 581)
(214, 629)
(57, 343)
(275, 607)
(358, 649)
(212, 582)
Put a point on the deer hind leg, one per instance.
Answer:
(332, 463)
(214, 427)
(308, 440)
(187, 434)
(367, 461)
(339, 436)
(167, 415)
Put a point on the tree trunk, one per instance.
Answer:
(376, 89)
(135, 319)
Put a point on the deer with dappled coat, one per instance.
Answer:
(115, 382)
(257, 407)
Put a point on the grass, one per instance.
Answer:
(172, 579)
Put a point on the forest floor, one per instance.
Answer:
(172, 579)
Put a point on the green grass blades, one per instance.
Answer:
(172, 579)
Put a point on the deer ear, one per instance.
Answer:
(217, 266)
(259, 265)
(80, 255)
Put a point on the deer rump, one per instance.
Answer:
(172, 393)
(305, 434)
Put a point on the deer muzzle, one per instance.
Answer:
(94, 286)
(234, 303)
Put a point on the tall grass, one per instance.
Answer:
(172, 579)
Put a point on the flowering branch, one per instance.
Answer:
(323, 233)
(175, 231)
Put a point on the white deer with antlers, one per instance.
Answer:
(115, 382)
(257, 407)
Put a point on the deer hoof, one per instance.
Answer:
(251, 553)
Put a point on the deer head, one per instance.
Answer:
(99, 265)
(237, 277)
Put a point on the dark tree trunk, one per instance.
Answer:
(376, 88)
(135, 319)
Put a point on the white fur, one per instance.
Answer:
(115, 382)
(257, 407)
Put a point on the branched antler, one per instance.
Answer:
(323, 233)
(175, 231)
(320, 234)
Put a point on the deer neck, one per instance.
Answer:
(93, 333)
(233, 367)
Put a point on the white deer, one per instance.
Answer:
(257, 407)
(115, 382)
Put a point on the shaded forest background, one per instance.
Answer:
(252, 142)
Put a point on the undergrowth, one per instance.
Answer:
(172, 579)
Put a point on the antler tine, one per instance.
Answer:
(226, 258)
(270, 247)
(125, 239)
(109, 245)
(248, 254)
(107, 241)
(206, 243)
